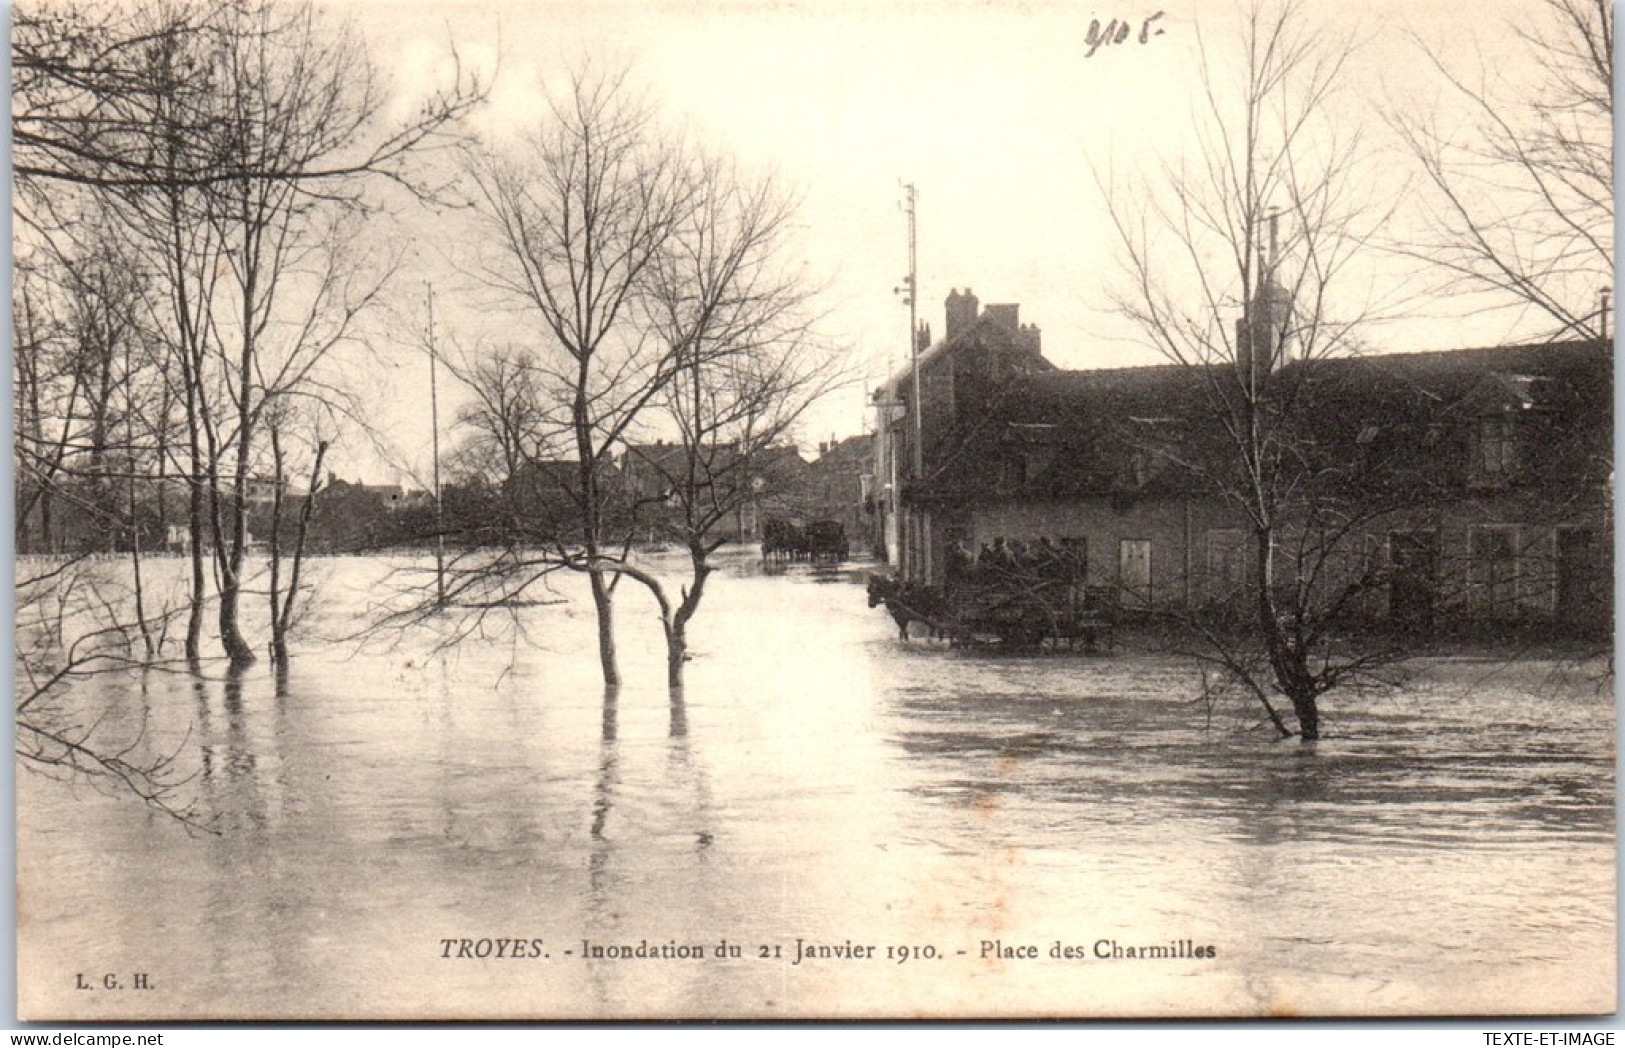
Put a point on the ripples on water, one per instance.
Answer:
(1448, 848)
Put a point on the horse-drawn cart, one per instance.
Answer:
(1014, 610)
(821, 540)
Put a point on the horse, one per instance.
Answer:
(907, 603)
(781, 540)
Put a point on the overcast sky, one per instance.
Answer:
(996, 112)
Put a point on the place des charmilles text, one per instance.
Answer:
(805, 950)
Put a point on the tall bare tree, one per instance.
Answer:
(239, 140)
(736, 319)
(1518, 164)
(579, 214)
(668, 306)
(282, 418)
(1267, 217)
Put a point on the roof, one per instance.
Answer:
(990, 320)
(1092, 430)
(1448, 374)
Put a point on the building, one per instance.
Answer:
(840, 483)
(746, 487)
(983, 358)
(1477, 483)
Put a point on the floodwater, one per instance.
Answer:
(1036, 835)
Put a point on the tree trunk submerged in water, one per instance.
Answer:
(677, 621)
(1307, 711)
(676, 655)
(1288, 659)
(603, 602)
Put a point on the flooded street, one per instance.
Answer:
(823, 793)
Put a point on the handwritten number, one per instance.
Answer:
(1145, 30)
(1116, 32)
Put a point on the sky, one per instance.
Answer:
(997, 113)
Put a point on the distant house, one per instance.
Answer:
(752, 485)
(355, 515)
(841, 481)
(1496, 463)
(982, 360)
(544, 498)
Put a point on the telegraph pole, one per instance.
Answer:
(909, 289)
(910, 196)
(434, 423)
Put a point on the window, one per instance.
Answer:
(1582, 579)
(958, 556)
(1040, 457)
(1134, 570)
(1413, 577)
(1495, 572)
(1145, 465)
(1495, 458)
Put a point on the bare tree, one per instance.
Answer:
(504, 427)
(240, 143)
(86, 77)
(735, 318)
(1520, 207)
(578, 217)
(107, 415)
(50, 393)
(294, 93)
(281, 419)
(1269, 215)
(74, 628)
(667, 305)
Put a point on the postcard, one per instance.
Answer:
(765, 510)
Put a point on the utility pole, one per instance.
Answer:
(1603, 313)
(434, 423)
(909, 289)
(909, 199)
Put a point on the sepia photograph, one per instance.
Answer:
(768, 510)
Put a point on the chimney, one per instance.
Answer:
(1030, 339)
(1006, 314)
(922, 337)
(1263, 333)
(961, 313)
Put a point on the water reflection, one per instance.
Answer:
(816, 777)
(684, 772)
(679, 714)
(608, 758)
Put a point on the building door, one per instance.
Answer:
(1226, 567)
(1495, 572)
(1581, 578)
(1134, 570)
(1413, 586)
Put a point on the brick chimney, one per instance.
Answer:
(1007, 314)
(961, 313)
